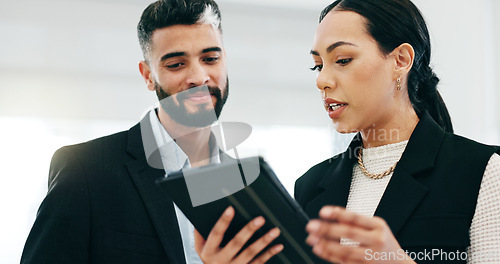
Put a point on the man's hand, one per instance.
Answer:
(210, 251)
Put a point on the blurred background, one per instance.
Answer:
(69, 73)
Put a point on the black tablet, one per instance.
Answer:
(252, 188)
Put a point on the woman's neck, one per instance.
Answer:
(398, 128)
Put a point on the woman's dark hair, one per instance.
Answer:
(392, 23)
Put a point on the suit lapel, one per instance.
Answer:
(402, 196)
(336, 181)
(404, 192)
(158, 204)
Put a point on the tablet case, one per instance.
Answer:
(252, 188)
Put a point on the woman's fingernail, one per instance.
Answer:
(326, 211)
(229, 211)
(274, 233)
(278, 248)
(259, 221)
(312, 226)
(318, 250)
(312, 240)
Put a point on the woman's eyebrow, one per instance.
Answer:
(334, 46)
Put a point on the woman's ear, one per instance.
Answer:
(147, 75)
(404, 56)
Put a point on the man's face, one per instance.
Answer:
(187, 69)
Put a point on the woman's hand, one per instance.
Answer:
(372, 233)
(210, 251)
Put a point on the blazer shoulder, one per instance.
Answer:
(116, 139)
(466, 155)
(464, 146)
(315, 173)
(95, 147)
(308, 181)
(91, 154)
(64, 217)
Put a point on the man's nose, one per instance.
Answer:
(197, 75)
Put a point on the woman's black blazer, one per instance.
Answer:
(431, 198)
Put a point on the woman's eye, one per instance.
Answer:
(343, 61)
(316, 68)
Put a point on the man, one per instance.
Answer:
(103, 205)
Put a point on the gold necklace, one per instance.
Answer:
(371, 175)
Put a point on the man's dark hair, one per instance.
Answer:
(165, 13)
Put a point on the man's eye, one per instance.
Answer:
(211, 59)
(344, 61)
(174, 66)
(317, 68)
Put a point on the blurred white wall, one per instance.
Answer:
(465, 42)
(68, 73)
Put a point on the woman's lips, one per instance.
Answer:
(334, 107)
(335, 112)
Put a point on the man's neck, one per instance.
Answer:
(193, 141)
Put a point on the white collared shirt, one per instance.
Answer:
(174, 159)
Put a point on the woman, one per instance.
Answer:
(433, 195)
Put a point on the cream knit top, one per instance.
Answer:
(365, 194)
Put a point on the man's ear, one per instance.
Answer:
(404, 56)
(147, 75)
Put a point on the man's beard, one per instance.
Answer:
(178, 112)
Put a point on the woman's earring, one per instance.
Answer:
(398, 83)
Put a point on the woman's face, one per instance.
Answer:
(358, 82)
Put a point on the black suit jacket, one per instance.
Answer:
(103, 206)
(431, 198)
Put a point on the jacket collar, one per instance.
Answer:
(336, 181)
(158, 204)
(422, 149)
(404, 192)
